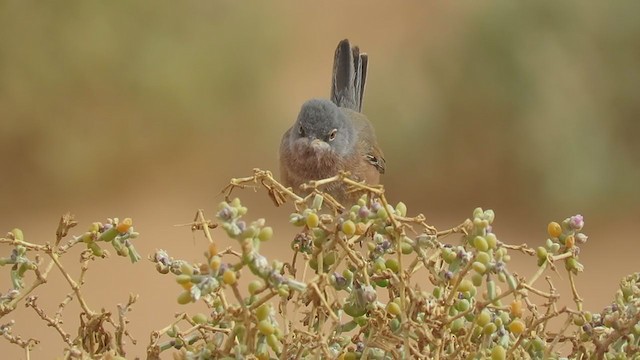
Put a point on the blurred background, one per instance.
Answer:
(132, 109)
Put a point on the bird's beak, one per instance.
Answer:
(319, 144)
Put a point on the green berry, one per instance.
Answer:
(17, 234)
(483, 257)
(312, 220)
(437, 292)
(448, 255)
(265, 233)
(541, 252)
(350, 355)
(186, 269)
(394, 325)
(401, 209)
(393, 309)
(199, 318)
(406, 248)
(348, 228)
(183, 279)
(492, 240)
(265, 327)
(465, 285)
(348, 274)
(483, 318)
(393, 265)
(462, 305)
(379, 265)
(476, 279)
(489, 215)
(262, 312)
(490, 328)
(329, 259)
(229, 277)
(456, 325)
(184, 298)
(273, 342)
(354, 310)
(479, 267)
(382, 214)
(255, 286)
(498, 353)
(480, 243)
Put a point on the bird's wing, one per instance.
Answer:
(367, 141)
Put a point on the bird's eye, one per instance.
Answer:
(301, 131)
(332, 134)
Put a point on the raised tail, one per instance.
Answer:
(349, 76)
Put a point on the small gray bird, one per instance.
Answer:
(333, 136)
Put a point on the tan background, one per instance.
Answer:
(147, 109)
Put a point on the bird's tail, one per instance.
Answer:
(349, 76)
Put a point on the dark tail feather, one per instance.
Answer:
(362, 78)
(349, 75)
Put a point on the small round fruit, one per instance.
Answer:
(393, 308)
(437, 292)
(498, 353)
(465, 285)
(199, 318)
(184, 298)
(483, 318)
(401, 208)
(456, 325)
(462, 305)
(312, 220)
(479, 267)
(492, 240)
(329, 258)
(354, 310)
(262, 312)
(213, 249)
(183, 279)
(265, 327)
(124, 225)
(517, 326)
(393, 265)
(406, 248)
(215, 262)
(186, 269)
(382, 213)
(265, 233)
(476, 279)
(483, 257)
(554, 229)
(348, 228)
(229, 277)
(480, 243)
(516, 308)
(490, 328)
(18, 235)
(255, 286)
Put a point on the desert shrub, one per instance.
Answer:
(363, 281)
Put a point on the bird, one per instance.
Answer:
(330, 136)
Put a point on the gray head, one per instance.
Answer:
(322, 125)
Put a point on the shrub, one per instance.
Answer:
(365, 281)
